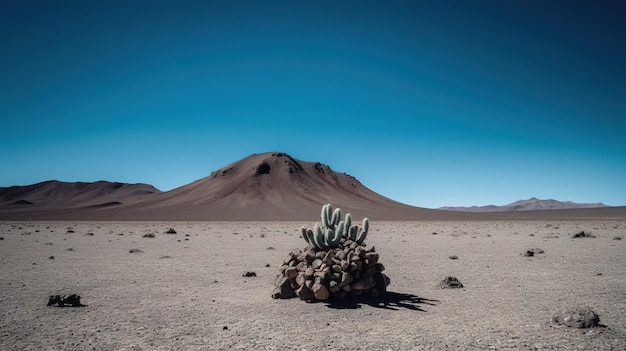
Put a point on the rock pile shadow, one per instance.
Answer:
(389, 301)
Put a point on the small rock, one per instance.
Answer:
(532, 252)
(582, 234)
(614, 238)
(578, 318)
(149, 235)
(291, 272)
(249, 274)
(320, 292)
(305, 293)
(51, 258)
(170, 231)
(317, 263)
(450, 282)
(454, 257)
(135, 251)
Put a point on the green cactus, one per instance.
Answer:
(329, 233)
(362, 232)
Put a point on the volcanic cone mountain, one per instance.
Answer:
(268, 186)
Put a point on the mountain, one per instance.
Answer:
(268, 186)
(532, 204)
(55, 195)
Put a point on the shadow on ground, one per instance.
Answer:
(390, 301)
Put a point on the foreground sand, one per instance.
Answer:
(187, 290)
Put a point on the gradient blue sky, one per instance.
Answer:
(430, 103)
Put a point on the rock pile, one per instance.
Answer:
(313, 274)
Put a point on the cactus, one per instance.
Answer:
(362, 232)
(329, 233)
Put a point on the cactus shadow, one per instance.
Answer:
(390, 301)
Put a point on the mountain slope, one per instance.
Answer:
(57, 195)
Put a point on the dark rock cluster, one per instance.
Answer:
(348, 270)
(65, 301)
(583, 234)
(533, 252)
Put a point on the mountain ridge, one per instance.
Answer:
(261, 187)
(532, 204)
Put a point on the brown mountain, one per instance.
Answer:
(268, 186)
(53, 199)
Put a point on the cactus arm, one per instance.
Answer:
(326, 215)
(348, 221)
(363, 231)
(318, 237)
(334, 240)
(336, 218)
(305, 235)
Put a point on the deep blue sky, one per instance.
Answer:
(430, 103)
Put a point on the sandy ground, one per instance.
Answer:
(187, 290)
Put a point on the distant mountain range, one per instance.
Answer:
(532, 204)
(267, 186)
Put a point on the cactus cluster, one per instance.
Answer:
(327, 234)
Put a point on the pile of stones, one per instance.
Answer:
(314, 274)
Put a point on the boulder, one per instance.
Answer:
(578, 318)
(450, 282)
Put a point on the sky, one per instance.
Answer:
(430, 103)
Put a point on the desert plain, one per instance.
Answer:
(188, 291)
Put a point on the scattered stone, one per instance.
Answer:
(249, 274)
(149, 235)
(578, 318)
(135, 251)
(614, 238)
(51, 258)
(583, 234)
(69, 231)
(454, 257)
(65, 301)
(532, 252)
(225, 327)
(450, 282)
(89, 234)
(170, 231)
